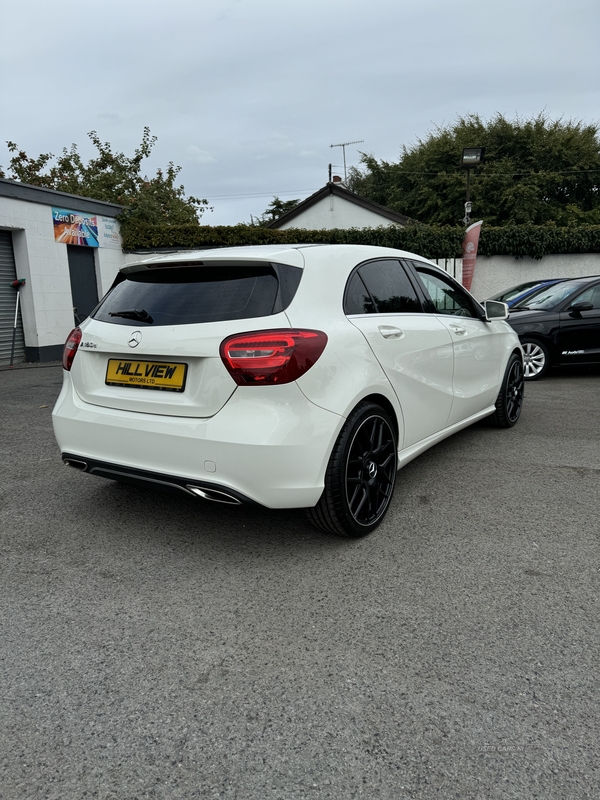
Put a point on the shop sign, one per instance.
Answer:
(75, 227)
(108, 233)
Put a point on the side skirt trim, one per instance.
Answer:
(410, 453)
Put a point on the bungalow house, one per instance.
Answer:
(334, 206)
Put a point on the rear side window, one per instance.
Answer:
(187, 295)
(358, 300)
(381, 287)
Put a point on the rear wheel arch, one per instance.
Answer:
(387, 406)
(361, 473)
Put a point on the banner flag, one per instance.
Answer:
(469, 249)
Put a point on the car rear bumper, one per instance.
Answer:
(206, 490)
(267, 445)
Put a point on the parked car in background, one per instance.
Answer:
(520, 292)
(289, 376)
(559, 325)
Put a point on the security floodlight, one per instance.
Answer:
(473, 156)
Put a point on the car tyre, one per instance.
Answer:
(537, 359)
(360, 476)
(510, 397)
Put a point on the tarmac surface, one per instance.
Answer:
(155, 647)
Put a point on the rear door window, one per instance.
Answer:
(187, 295)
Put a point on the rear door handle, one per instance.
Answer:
(389, 332)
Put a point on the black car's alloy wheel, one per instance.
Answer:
(361, 474)
(510, 397)
(536, 359)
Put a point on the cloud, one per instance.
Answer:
(198, 155)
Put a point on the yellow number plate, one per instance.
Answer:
(164, 375)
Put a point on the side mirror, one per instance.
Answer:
(495, 310)
(577, 308)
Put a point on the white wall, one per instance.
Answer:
(495, 273)
(336, 212)
(47, 305)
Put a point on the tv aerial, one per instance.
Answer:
(343, 145)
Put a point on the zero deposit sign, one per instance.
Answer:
(77, 227)
(73, 227)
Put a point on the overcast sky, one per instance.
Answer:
(247, 95)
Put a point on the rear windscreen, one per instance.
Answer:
(186, 295)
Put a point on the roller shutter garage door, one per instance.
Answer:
(8, 299)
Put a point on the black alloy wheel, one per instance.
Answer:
(510, 397)
(360, 477)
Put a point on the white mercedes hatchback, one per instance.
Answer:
(289, 376)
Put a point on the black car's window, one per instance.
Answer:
(514, 291)
(550, 297)
(184, 295)
(381, 287)
(591, 295)
(446, 296)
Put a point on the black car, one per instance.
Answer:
(559, 325)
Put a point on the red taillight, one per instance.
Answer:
(71, 346)
(263, 358)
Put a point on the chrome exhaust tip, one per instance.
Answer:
(214, 495)
(75, 463)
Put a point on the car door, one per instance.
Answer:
(413, 348)
(477, 345)
(579, 333)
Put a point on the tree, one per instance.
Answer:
(273, 211)
(114, 178)
(536, 170)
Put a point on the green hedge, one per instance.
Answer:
(431, 241)
(537, 241)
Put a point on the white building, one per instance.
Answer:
(68, 250)
(334, 206)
